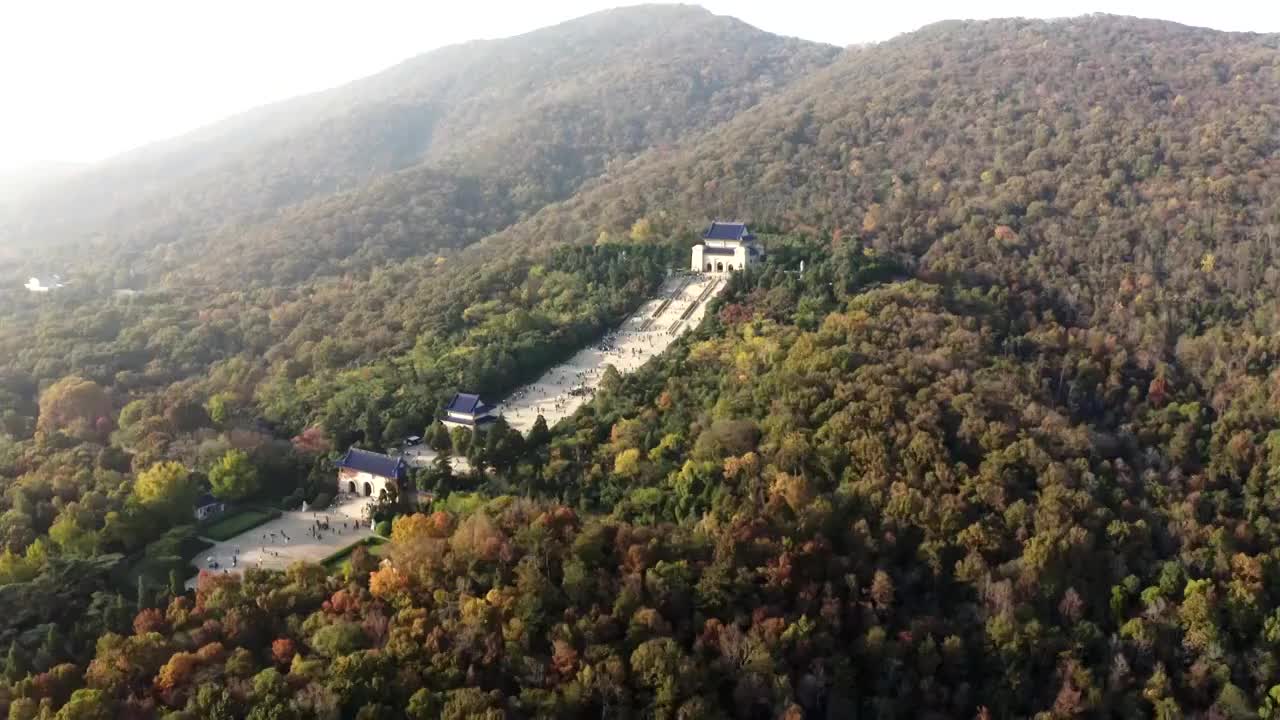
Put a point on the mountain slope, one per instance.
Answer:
(1119, 171)
(20, 183)
(496, 128)
(1100, 158)
(1008, 446)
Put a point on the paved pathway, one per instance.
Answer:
(275, 553)
(556, 395)
(679, 306)
(420, 455)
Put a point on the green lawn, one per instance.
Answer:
(172, 551)
(236, 523)
(377, 547)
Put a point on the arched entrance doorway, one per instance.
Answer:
(351, 487)
(708, 267)
(368, 489)
(719, 267)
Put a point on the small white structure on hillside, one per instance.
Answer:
(726, 246)
(35, 284)
(207, 506)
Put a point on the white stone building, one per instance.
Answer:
(40, 285)
(726, 247)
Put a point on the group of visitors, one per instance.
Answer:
(321, 526)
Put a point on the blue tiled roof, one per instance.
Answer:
(466, 403)
(205, 499)
(373, 463)
(727, 231)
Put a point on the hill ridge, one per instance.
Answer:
(520, 110)
(834, 144)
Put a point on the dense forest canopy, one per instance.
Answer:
(1008, 446)
(1126, 165)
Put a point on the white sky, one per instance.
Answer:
(85, 79)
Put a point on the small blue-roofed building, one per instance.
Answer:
(467, 410)
(725, 247)
(371, 474)
(207, 506)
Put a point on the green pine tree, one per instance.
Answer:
(438, 437)
(142, 594)
(14, 667)
(539, 434)
(121, 618)
(442, 474)
(51, 649)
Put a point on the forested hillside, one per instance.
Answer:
(1007, 447)
(1129, 166)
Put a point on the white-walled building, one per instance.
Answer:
(38, 285)
(207, 506)
(726, 247)
(370, 474)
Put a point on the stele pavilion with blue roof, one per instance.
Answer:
(467, 410)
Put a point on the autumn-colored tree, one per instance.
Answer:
(641, 231)
(477, 538)
(76, 406)
(282, 651)
(167, 489)
(150, 620)
(177, 671)
(311, 441)
(234, 477)
(387, 583)
(86, 704)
